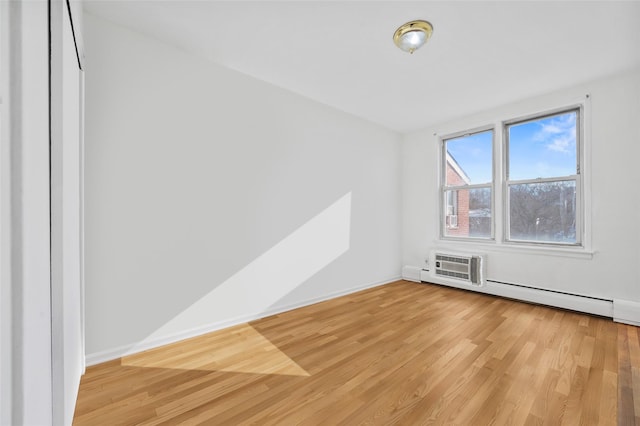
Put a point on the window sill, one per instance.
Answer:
(494, 247)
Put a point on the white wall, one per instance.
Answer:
(611, 273)
(214, 198)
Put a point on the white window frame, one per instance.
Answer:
(499, 242)
(506, 183)
(444, 187)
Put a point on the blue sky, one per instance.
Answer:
(473, 154)
(543, 148)
(537, 149)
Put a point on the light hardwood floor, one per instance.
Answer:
(403, 353)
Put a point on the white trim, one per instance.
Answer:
(66, 305)
(81, 217)
(626, 312)
(515, 248)
(411, 273)
(574, 302)
(29, 74)
(6, 351)
(56, 137)
(585, 164)
(120, 351)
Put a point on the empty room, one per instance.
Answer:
(320, 212)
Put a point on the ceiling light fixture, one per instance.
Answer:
(412, 35)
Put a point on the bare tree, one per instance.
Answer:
(543, 211)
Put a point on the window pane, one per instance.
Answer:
(468, 213)
(543, 148)
(469, 159)
(543, 212)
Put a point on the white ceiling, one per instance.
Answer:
(341, 53)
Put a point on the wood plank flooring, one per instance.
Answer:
(403, 353)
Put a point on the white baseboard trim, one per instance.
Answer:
(626, 312)
(573, 302)
(411, 273)
(118, 352)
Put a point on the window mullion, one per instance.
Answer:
(498, 184)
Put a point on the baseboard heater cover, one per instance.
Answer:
(411, 273)
(574, 302)
(626, 312)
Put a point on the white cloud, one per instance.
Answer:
(558, 133)
(564, 143)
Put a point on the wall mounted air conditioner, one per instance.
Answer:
(459, 267)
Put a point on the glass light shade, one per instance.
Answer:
(412, 35)
(412, 40)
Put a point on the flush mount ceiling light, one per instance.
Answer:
(412, 35)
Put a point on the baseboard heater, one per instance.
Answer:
(574, 302)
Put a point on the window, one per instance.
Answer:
(542, 179)
(466, 193)
(535, 193)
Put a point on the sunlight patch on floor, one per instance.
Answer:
(239, 349)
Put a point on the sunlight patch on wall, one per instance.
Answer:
(270, 277)
(239, 349)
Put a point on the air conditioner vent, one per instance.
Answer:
(453, 274)
(455, 259)
(467, 268)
